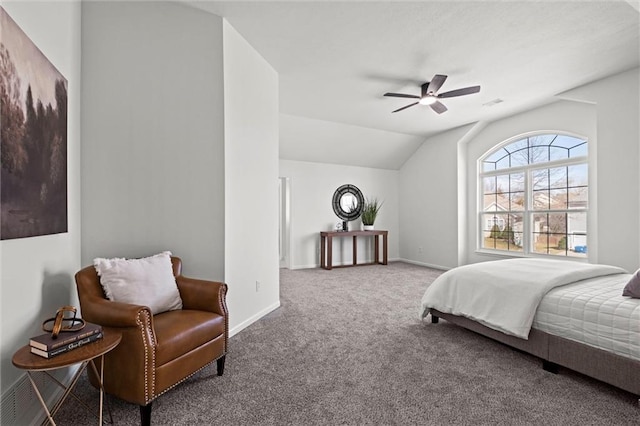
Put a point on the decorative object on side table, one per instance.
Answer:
(370, 211)
(63, 334)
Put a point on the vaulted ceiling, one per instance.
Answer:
(335, 61)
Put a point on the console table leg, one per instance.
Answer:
(384, 249)
(376, 249)
(329, 252)
(323, 254)
(355, 250)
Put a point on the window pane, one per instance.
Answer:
(503, 163)
(577, 223)
(550, 233)
(577, 235)
(558, 199)
(516, 201)
(558, 153)
(579, 151)
(489, 185)
(539, 154)
(540, 179)
(566, 141)
(520, 157)
(502, 231)
(541, 200)
(502, 183)
(488, 166)
(542, 140)
(517, 182)
(496, 155)
(578, 198)
(490, 204)
(578, 175)
(558, 177)
(491, 161)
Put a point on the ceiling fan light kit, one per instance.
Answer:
(428, 100)
(429, 96)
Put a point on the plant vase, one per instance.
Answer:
(370, 211)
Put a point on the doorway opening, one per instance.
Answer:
(284, 222)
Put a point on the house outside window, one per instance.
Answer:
(534, 196)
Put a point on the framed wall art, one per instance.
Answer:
(33, 138)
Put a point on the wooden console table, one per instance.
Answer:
(326, 247)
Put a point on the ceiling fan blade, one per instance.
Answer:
(401, 95)
(438, 107)
(405, 107)
(436, 83)
(460, 92)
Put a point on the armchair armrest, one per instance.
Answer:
(203, 295)
(112, 314)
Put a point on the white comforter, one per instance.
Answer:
(505, 294)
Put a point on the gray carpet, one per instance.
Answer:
(346, 347)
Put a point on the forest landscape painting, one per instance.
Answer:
(33, 138)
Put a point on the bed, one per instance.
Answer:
(567, 313)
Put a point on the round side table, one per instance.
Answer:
(83, 355)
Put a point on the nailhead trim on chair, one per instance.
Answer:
(221, 296)
(221, 293)
(177, 383)
(144, 322)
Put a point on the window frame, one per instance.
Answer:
(528, 212)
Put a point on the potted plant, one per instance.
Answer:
(370, 210)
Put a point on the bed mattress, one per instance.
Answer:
(593, 312)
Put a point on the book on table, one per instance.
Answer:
(68, 347)
(45, 342)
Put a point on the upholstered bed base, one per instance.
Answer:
(554, 351)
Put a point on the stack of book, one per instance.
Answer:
(47, 347)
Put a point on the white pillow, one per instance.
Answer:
(148, 281)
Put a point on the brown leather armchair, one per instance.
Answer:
(157, 351)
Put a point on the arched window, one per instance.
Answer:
(534, 196)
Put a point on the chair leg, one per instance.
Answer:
(145, 415)
(220, 363)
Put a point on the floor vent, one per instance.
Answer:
(20, 404)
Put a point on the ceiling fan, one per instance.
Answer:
(428, 95)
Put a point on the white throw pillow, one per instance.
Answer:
(148, 281)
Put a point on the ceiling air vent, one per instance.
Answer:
(493, 102)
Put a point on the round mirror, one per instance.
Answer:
(348, 202)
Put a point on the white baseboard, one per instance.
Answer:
(428, 265)
(317, 265)
(246, 323)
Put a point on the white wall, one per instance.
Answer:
(617, 100)
(320, 141)
(251, 181)
(312, 188)
(37, 273)
(153, 134)
(428, 200)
